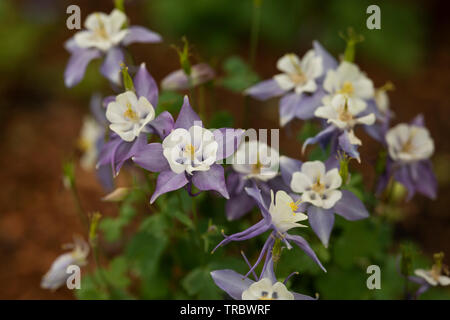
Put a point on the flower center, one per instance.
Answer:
(347, 88)
(256, 168)
(101, 30)
(408, 146)
(344, 114)
(190, 150)
(318, 187)
(265, 296)
(130, 114)
(297, 78)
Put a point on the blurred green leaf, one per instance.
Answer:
(199, 283)
(239, 75)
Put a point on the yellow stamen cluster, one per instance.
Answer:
(130, 114)
(294, 205)
(347, 88)
(190, 150)
(298, 77)
(101, 30)
(318, 186)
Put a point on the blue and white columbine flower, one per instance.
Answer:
(266, 287)
(129, 115)
(316, 185)
(438, 275)
(349, 81)
(410, 147)
(189, 155)
(320, 195)
(342, 113)
(254, 163)
(297, 74)
(104, 36)
(131, 118)
(282, 215)
(299, 84)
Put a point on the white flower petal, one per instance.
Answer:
(313, 169)
(288, 63)
(284, 81)
(332, 179)
(300, 182)
(330, 197)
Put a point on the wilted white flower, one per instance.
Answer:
(317, 186)
(256, 160)
(432, 277)
(129, 116)
(57, 275)
(299, 74)
(265, 290)
(103, 31)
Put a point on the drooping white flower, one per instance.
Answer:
(91, 131)
(57, 275)
(348, 80)
(284, 212)
(190, 150)
(432, 277)
(299, 74)
(343, 112)
(257, 160)
(264, 289)
(129, 115)
(409, 143)
(317, 186)
(103, 31)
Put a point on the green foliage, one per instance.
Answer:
(222, 119)
(198, 283)
(112, 227)
(170, 101)
(239, 75)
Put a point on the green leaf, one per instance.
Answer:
(199, 283)
(170, 101)
(90, 289)
(239, 75)
(111, 228)
(145, 250)
(117, 273)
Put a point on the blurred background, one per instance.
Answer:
(41, 119)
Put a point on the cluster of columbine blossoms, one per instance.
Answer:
(288, 193)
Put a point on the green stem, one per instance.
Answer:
(201, 103)
(81, 213)
(254, 33)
